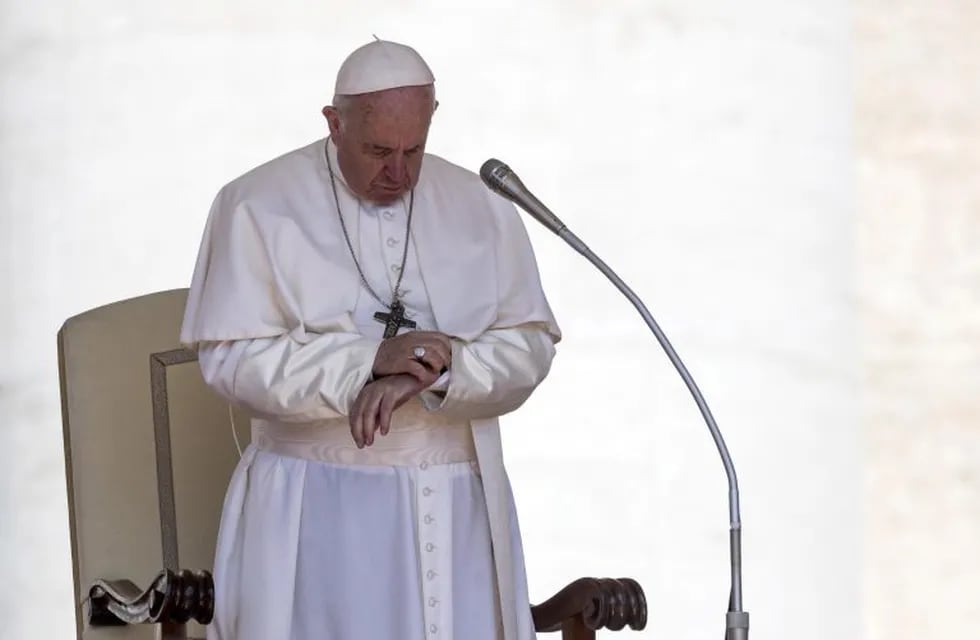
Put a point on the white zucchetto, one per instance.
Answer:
(381, 65)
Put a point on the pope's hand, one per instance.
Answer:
(421, 354)
(376, 402)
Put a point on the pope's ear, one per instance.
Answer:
(333, 119)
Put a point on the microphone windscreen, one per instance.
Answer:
(492, 173)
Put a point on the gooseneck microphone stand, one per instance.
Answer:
(499, 177)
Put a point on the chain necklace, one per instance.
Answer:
(395, 318)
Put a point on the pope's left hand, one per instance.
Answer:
(376, 402)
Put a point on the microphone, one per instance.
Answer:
(505, 182)
(502, 180)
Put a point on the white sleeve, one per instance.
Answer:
(289, 380)
(495, 373)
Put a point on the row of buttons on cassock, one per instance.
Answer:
(429, 547)
(394, 242)
(387, 214)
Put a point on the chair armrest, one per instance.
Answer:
(176, 597)
(592, 604)
(173, 597)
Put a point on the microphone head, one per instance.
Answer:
(493, 173)
(504, 182)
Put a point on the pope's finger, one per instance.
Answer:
(386, 409)
(355, 427)
(434, 356)
(367, 419)
(361, 417)
(355, 416)
(371, 417)
(420, 372)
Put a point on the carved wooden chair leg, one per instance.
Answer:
(575, 629)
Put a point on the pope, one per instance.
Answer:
(376, 309)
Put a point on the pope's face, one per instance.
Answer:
(380, 140)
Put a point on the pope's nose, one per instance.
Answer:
(395, 169)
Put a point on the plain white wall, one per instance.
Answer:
(918, 118)
(702, 148)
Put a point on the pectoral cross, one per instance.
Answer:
(394, 319)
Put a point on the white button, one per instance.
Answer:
(392, 242)
(430, 547)
(433, 602)
(430, 574)
(427, 492)
(389, 215)
(395, 268)
(429, 519)
(433, 628)
(424, 466)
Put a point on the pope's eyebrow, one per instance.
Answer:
(380, 148)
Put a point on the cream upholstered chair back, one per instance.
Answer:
(149, 450)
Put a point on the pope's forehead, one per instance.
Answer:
(399, 97)
(406, 104)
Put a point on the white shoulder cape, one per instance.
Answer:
(273, 259)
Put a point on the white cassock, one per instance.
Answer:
(417, 536)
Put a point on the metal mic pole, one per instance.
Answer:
(501, 179)
(736, 620)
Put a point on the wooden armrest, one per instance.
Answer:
(590, 604)
(578, 610)
(173, 597)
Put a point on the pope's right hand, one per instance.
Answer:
(423, 355)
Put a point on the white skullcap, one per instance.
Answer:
(381, 65)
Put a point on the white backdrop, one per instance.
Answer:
(702, 148)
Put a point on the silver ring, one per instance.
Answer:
(418, 352)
